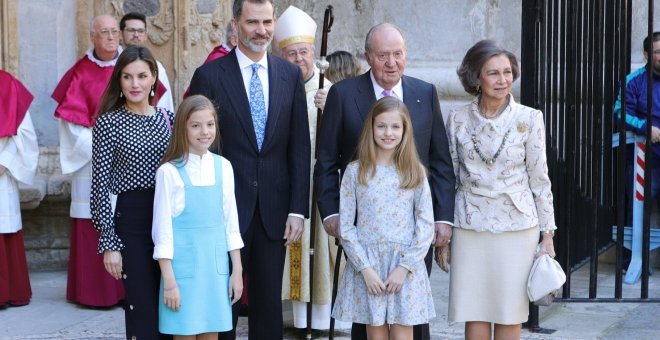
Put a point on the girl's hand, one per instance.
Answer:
(235, 287)
(547, 246)
(112, 262)
(395, 280)
(375, 285)
(171, 296)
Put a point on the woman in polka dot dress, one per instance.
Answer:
(129, 139)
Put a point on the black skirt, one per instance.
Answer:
(141, 273)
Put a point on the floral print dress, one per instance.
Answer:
(394, 228)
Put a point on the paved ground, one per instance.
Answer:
(48, 316)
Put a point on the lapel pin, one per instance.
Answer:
(418, 100)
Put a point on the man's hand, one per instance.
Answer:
(442, 234)
(112, 262)
(294, 229)
(331, 226)
(375, 285)
(320, 97)
(655, 134)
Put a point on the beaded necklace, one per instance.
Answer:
(489, 161)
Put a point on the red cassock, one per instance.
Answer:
(218, 52)
(15, 286)
(79, 94)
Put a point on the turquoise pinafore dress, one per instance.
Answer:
(200, 263)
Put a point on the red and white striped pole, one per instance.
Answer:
(640, 164)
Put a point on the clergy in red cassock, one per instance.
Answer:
(78, 95)
(19, 153)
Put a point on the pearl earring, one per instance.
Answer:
(121, 94)
(152, 91)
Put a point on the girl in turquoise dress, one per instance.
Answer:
(386, 228)
(195, 229)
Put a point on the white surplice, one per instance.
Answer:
(19, 154)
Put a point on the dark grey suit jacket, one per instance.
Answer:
(278, 175)
(346, 108)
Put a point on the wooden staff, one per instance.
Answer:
(322, 64)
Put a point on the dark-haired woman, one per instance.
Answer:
(129, 139)
(503, 197)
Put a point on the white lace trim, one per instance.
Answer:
(101, 63)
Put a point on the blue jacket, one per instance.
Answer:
(636, 89)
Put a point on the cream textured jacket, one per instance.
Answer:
(514, 193)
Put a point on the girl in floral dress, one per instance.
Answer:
(386, 219)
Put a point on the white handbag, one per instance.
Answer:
(545, 279)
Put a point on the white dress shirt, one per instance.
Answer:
(170, 201)
(397, 90)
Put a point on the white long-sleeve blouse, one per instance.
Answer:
(170, 201)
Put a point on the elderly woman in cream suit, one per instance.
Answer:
(503, 197)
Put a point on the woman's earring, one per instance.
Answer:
(478, 89)
(121, 94)
(152, 91)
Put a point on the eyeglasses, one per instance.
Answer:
(294, 54)
(138, 31)
(107, 32)
(385, 56)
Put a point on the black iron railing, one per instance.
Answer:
(575, 55)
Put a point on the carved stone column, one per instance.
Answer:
(181, 32)
(8, 38)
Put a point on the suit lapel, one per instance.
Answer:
(411, 97)
(365, 95)
(238, 98)
(415, 103)
(276, 81)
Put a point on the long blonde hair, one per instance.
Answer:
(177, 150)
(410, 169)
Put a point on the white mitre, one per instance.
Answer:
(294, 26)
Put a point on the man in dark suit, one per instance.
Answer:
(262, 114)
(345, 110)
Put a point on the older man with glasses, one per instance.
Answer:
(133, 28)
(78, 95)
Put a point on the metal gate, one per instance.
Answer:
(575, 55)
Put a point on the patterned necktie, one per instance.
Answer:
(387, 93)
(257, 105)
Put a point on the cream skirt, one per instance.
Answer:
(488, 275)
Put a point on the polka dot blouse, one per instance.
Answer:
(126, 151)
